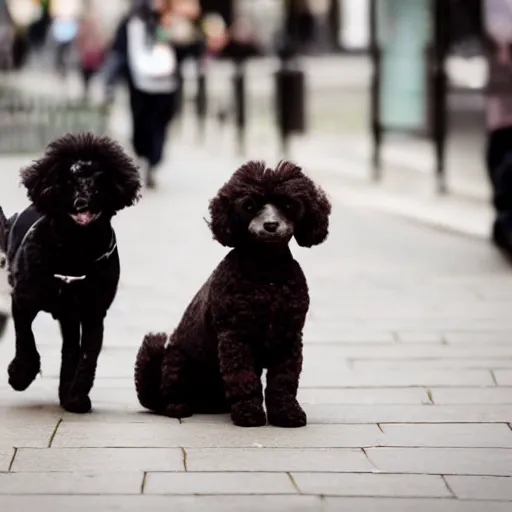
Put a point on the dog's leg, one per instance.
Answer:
(27, 363)
(70, 331)
(173, 387)
(241, 380)
(283, 374)
(78, 400)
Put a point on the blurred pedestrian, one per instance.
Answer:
(498, 23)
(65, 14)
(38, 29)
(146, 51)
(91, 44)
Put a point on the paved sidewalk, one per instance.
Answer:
(407, 377)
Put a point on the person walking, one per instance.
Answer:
(498, 25)
(65, 14)
(146, 52)
(91, 45)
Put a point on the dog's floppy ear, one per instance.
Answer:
(122, 175)
(313, 227)
(42, 184)
(220, 223)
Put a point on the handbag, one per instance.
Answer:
(149, 59)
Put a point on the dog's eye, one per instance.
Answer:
(288, 205)
(249, 206)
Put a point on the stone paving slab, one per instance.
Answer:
(220, 483)
(277, 459)
(478, 435)
(487, 396)
(481, 487)
(29, 435)
(28, 460)
(337, 484)
(446, 461)
(71, 483)
(406, 505)
(164, 503)
(503, 377)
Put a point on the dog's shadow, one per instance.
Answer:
(102, 411)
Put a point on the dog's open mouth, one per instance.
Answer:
(84, 218)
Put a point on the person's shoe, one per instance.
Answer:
(502, 233)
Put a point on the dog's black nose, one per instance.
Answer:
(271, 227)
(80, 204)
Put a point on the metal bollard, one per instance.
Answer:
(201, 98)
(240, 105)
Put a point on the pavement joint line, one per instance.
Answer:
(450, 490)
(376, 469)
(293, 482)
(184, 452)
(11, 463)
(54, 433)
(143, 483)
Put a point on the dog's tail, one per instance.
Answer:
(148, 371)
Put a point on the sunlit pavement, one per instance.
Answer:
(407, 377)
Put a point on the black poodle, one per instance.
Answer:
(249, 314)
(62, 256)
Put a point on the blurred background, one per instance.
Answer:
(391, 86)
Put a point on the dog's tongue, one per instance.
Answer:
(83, 218)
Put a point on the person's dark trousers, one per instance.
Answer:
(62, 52)
(87, 75)
(499, 165)
(151, 115)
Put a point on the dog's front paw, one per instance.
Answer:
(177, 411)
(76, 404)
(248, 413)
(287, 414)
(22, 371)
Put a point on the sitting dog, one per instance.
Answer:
(249, 314)
(62, 256)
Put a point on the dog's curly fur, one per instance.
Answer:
(250, 313)
(79, 184)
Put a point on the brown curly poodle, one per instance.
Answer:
(249, 314)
